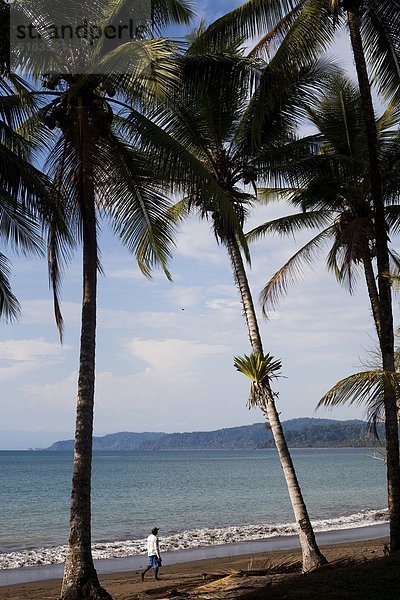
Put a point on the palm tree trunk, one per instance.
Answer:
(312, 556)
(372, 290)
(80, 580)
(385, 295)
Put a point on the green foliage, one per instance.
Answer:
(299, 433)
(260, 370)
(25, 193)
(298, 31)
(364, 388)
(81, 125)
(327, 177)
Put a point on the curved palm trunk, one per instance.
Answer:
(385, 297)
(80, 580)
(312, 556)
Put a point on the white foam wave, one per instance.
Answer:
(195, 538)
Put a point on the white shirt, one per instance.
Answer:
(153, 548)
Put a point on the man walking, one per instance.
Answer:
(153, 552)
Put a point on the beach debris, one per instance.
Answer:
(230, 587)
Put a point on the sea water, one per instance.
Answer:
(196, 498)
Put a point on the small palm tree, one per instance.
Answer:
(366, 388)
(260, 370)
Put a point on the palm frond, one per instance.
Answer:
(291, 224)
(179, 163)
(394, 262)
(278, 104)
(139, 211)
(379, 27)
(351, 245)
(365, 388)
(18, 227)
(302, 35)
(392, 214)
(293, 270)
(265, 45)
(9, 305)
(251, 19)
(167, 12)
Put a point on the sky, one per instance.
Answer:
(165, 350)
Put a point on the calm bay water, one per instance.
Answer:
(196, 494)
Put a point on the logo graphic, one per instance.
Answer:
(78, 37)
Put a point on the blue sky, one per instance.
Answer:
(165, 350)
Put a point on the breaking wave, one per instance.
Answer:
(194, 538)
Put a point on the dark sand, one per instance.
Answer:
(356, 570)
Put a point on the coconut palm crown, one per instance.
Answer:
(326, 175)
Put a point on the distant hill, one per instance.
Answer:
(301, 433)
(113, 441)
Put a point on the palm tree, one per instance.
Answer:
(25, 198)
(24, 191)
(366, 387)
(208, 129)
(302, 29)
(98, 174)
(327, 176)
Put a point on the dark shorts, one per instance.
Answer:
(154, 562)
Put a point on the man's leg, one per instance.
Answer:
(145, 571)
(156, 573)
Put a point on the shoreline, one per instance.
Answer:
(43, 573)
(357, 570)
(17, 557)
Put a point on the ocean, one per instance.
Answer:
(196, 498)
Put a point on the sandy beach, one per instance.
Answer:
(272, 574)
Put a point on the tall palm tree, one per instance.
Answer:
(304, 28)
(98, 174)
(328, 177)
(209, 128)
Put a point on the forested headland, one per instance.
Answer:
(300, 433)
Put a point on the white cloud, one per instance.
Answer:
(196, 241)
(182, 296)
(19, 356)
(41, 312)
(174, 357)
(129, 273)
